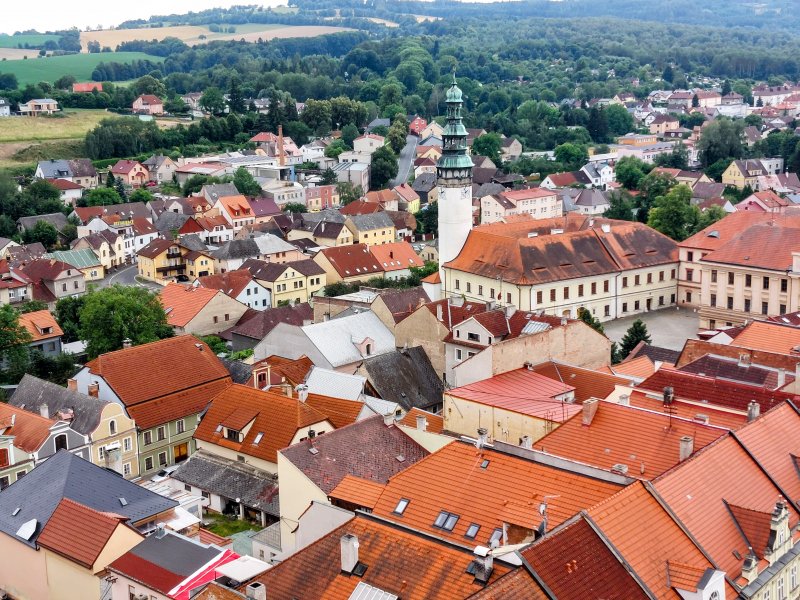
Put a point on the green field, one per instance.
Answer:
(80, 66)
(32, 40)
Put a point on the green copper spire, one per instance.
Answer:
(454, 165)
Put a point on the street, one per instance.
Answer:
(126, 276)
(405, 160)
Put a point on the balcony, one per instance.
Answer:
(178, 269)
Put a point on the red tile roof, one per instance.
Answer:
(38, 322)
(79, 533)
(275, 416)
(452, 478)
(231, 283)
(717, 234)
(30, 430)
(453, 314)
(701, 507)
(770, 337)
(340, 412)
(521, 391)
(396, 256)
(158, 369)
(747, 249)
(79, 88)
(176, 406)
(517, 585)
(647, 442)
(696, 411)
(150, 99)
(125, 166)
(182, 303)
(356, 490)
(360, 207)
(399, 562)
(354, 260)
(434, 423)
(576, 564)
(587, 383)
(65, 184)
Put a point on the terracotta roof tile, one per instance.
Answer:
(576, 564)
(398, 562)
(648, 442)
(396, 256)
(358, 491)
(754, 526)
(648, 550)
(30, 430)
(340, 412)
(78, 532)
(278, 418)
(517, 585)
(453, 314)
(586, 383)
(354, 260)
(732, 369)
(747, 248)
(447, 480)
(41, 324)
(205, 536)
(697, 410)
(723, 231)
(294, 370)
(125, 166)
(158, 369)
(435, 423)
(694, 349)
(360, 207)
(368, 449)
(640, 367)
(701, 507)
(231, 283)
(521, 391)
(182, 303)
(176, 406)
(770, 337)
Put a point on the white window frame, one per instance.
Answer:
(126, 469)
(127, 444)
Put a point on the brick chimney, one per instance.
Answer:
(781, 378)
(127, 343)
(484, 563)
(526, 442)
(753, 411)
(686, 447)
(93, 390)
(589, 410)
(256, 591)
(349, 548)
(422, 423)
(44, 411)
(72, 385)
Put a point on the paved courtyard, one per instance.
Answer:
(668, 328)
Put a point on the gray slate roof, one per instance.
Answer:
(168, 220)
(591, 198)
(219, 190)
(172, 552)
(57, 220)
(406, 377)
(336, 338)
(372, 221)
(65, 475)
(240, 371)
(33, 392)
(192, 241)
(235, 249)
(54, 169)
(227, 478)
(424, 183)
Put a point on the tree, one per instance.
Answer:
(149, 85)
(598, 125)
(488, 145)
(571, 155)
(620, 121)
(235, 97)
(42, 232)
(651, 187)
(14, 339)
(334, 149)
(726, 88)
(383, 168)
(428, 219)
(111, 181)
(56, 369)
(317, 115)
(348, 192)
(721, 139)
(677, 159)
(340, 288)
(636, 333)
(120, 188)
(329, 177)
(396, 138)
(708, 217)
(673, 213)
(102, 197)
(349, 133)
(213, 101)
(294, 207)
(31, 306)
(245, 183)
(668, 75)
(592, 321)
(140, 195)
(620, 207)
(117, 312)
(630, 171)
(716, 170)
(216, 343)
(67, 315)
(695, 101)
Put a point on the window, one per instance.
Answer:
(539, 297)
(649, 278)
(779, 590)
(216, 318)
(495, 537)
(690, 256)
(730, 302)
(508, 298)
(782, 310)
(4, 482)
(566, 293)
(446, 521)
(469, 287)
(401, 506)
(480, 290)
(713, 300)
(61, 442)
(765, 283)
(112, 427)
(730, 278)
(161, 433)
(793, 577)
(784, 285)
(553, 295)
(180, 426)
(748, 280)
(148, 463)
(148, 438)
(713, 276)
(580, 290)
(205, 495)
(63, 287)
(126, 469)
(605, 286)
(747, 305)
(624, 307)
(162, 459)
(688, 296)
(767, 594)
(472, 531)
(764, 308)
(21, 474)
(458, 284)
(75, 284)
(131, 593)
(689, 274)
(636, 280)
(473, 337)
(491, 293)
(227, 317)
(594, 288)
(636, 305)
(101, 452)
(607, 310)
(232, 434)
(3, 457)
(624, 282)
(458, 353)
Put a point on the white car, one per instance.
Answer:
(164, 473)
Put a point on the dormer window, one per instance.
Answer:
(232, 434)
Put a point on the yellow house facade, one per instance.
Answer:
(372, 230)
(294, 282)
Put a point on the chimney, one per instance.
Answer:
(302, 392)
(744, 360)
(439, 318)
(686, 448)
(388, 419)
(483, 437)
(589, 410)
(161, 531)
(44, 410)
(510, 310)
(281, 152)
(256, 591)
(93, 390)
(750, 566)
(72, 385)
(349, 546)
(781, 378)
(422, 423)
(753, 411)
(484, 563)
(624, 400)
(127, 343)
(526, 442)
(606, 228)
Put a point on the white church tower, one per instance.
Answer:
(454, 178)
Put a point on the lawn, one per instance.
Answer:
(33, 40)
(72, 125)
(225, 526)
(80, 66)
